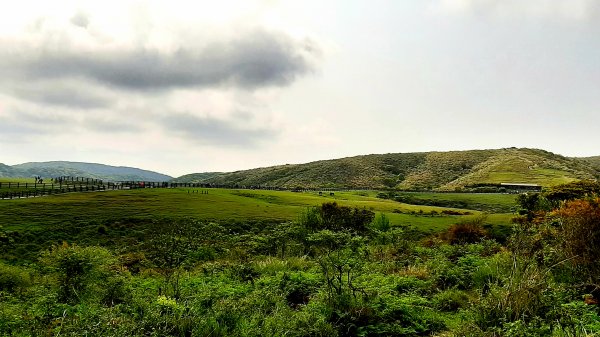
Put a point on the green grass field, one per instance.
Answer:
(217, 205)
(488, 202)
(14, 180)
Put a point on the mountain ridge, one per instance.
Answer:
(80, 169)
(443, 171)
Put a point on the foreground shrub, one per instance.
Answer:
(580, 233)
(450, 300)
(79, 271)
(13, 278)
(471, 231)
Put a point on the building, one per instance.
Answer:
(520, 188)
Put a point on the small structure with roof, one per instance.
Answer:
(520, 187)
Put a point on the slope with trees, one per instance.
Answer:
(445, 171)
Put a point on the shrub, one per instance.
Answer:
(580, 233)
(572, 191)
(450, 300)
(381, 223)
(310, 219)
(335, 217)
(78, 269)
(13, 278)
(465, 233)
(298, 287)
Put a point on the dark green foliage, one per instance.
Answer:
(335, 217)
(332, 216)
(572, 191)
(13, 278)
(450, 300)
(79, 271)
(298, 288)
(381, 223)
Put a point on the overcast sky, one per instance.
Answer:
(191, 86)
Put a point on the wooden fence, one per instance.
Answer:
(60, 185)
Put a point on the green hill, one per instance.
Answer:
(196, 177)
(594, 161)
(76, 169)
(420, 171)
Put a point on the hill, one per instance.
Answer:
(444, 171)
(88, 170)
(196, 177)
(594, 161)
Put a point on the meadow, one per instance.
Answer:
(236, 262)
(225, 205)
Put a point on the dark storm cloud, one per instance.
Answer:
(212, 131)
(251, 61)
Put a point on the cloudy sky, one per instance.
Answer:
(191, 86)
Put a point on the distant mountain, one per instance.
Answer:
(6, 171)
(196, 177)
(444, 171)
(88, 170)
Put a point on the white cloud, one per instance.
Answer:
(570, 10)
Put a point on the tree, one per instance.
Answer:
(172, 247)
(335, 217)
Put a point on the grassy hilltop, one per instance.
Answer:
(446, 171)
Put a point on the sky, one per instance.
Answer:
(194, 86)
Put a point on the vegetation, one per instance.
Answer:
(196, 177)
(131, 265)
(444, 171)
(490, 203)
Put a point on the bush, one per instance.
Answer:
(381, 223)
(79, 270)
(335, 217)
(331, 216)
(466, 233)
(450, 300)
(13, 278)
(580, 233)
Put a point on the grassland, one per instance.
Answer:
(485, 202)
(217, 205)
(17, 180)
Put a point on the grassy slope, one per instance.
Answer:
(219, 205)
(431, 170)
(196, 177)
(594, 161)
